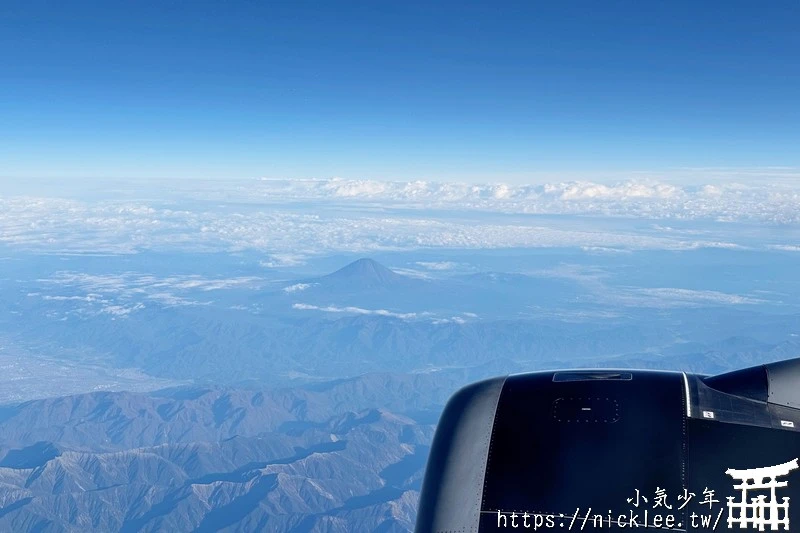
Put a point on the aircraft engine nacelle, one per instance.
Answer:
(617, 449)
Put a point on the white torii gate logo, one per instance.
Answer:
(760, 511)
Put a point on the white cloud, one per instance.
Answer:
(121, 310)
(595, 281)
(89, 298)
(451, 320)
(785, 247)
(774, 200)
(621, 191)
(170, 300)
(194, 282)
(297, 287)
(363, 216)
(438, 265)
(712, 190)
(358, 188)
(425, 315)
(585, 275)
(355, 310)
(137, 283)
(412, 273)
(290, 238)
(113, 294)
(676, 297)
(569, 315)
(284, 260)
(604, 250)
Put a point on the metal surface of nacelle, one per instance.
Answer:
(545, 450)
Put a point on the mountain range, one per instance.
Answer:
(307, 402)
(305, 459)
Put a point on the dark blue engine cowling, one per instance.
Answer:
(554, 445)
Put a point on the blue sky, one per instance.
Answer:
(465, 91)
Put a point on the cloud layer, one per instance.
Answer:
(291, 220)
(777, 202)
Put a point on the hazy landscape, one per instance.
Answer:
(274, 356)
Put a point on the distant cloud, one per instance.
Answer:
(355, 310)
(357, 188)
(121, 311)
(291, 238)
(451, 320)
(195, 282)
(677, 297)
(170, 300)
(89, 298)
(438, 265)
(604, 250)
(364, 216)
(412, 273)
(136, 282)
(586, 275)
(596, 282)
(425, 315)
(773, 200)
(785, 247)
(113, 294)
(622, 191)
(284, 260)
(298, 287)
